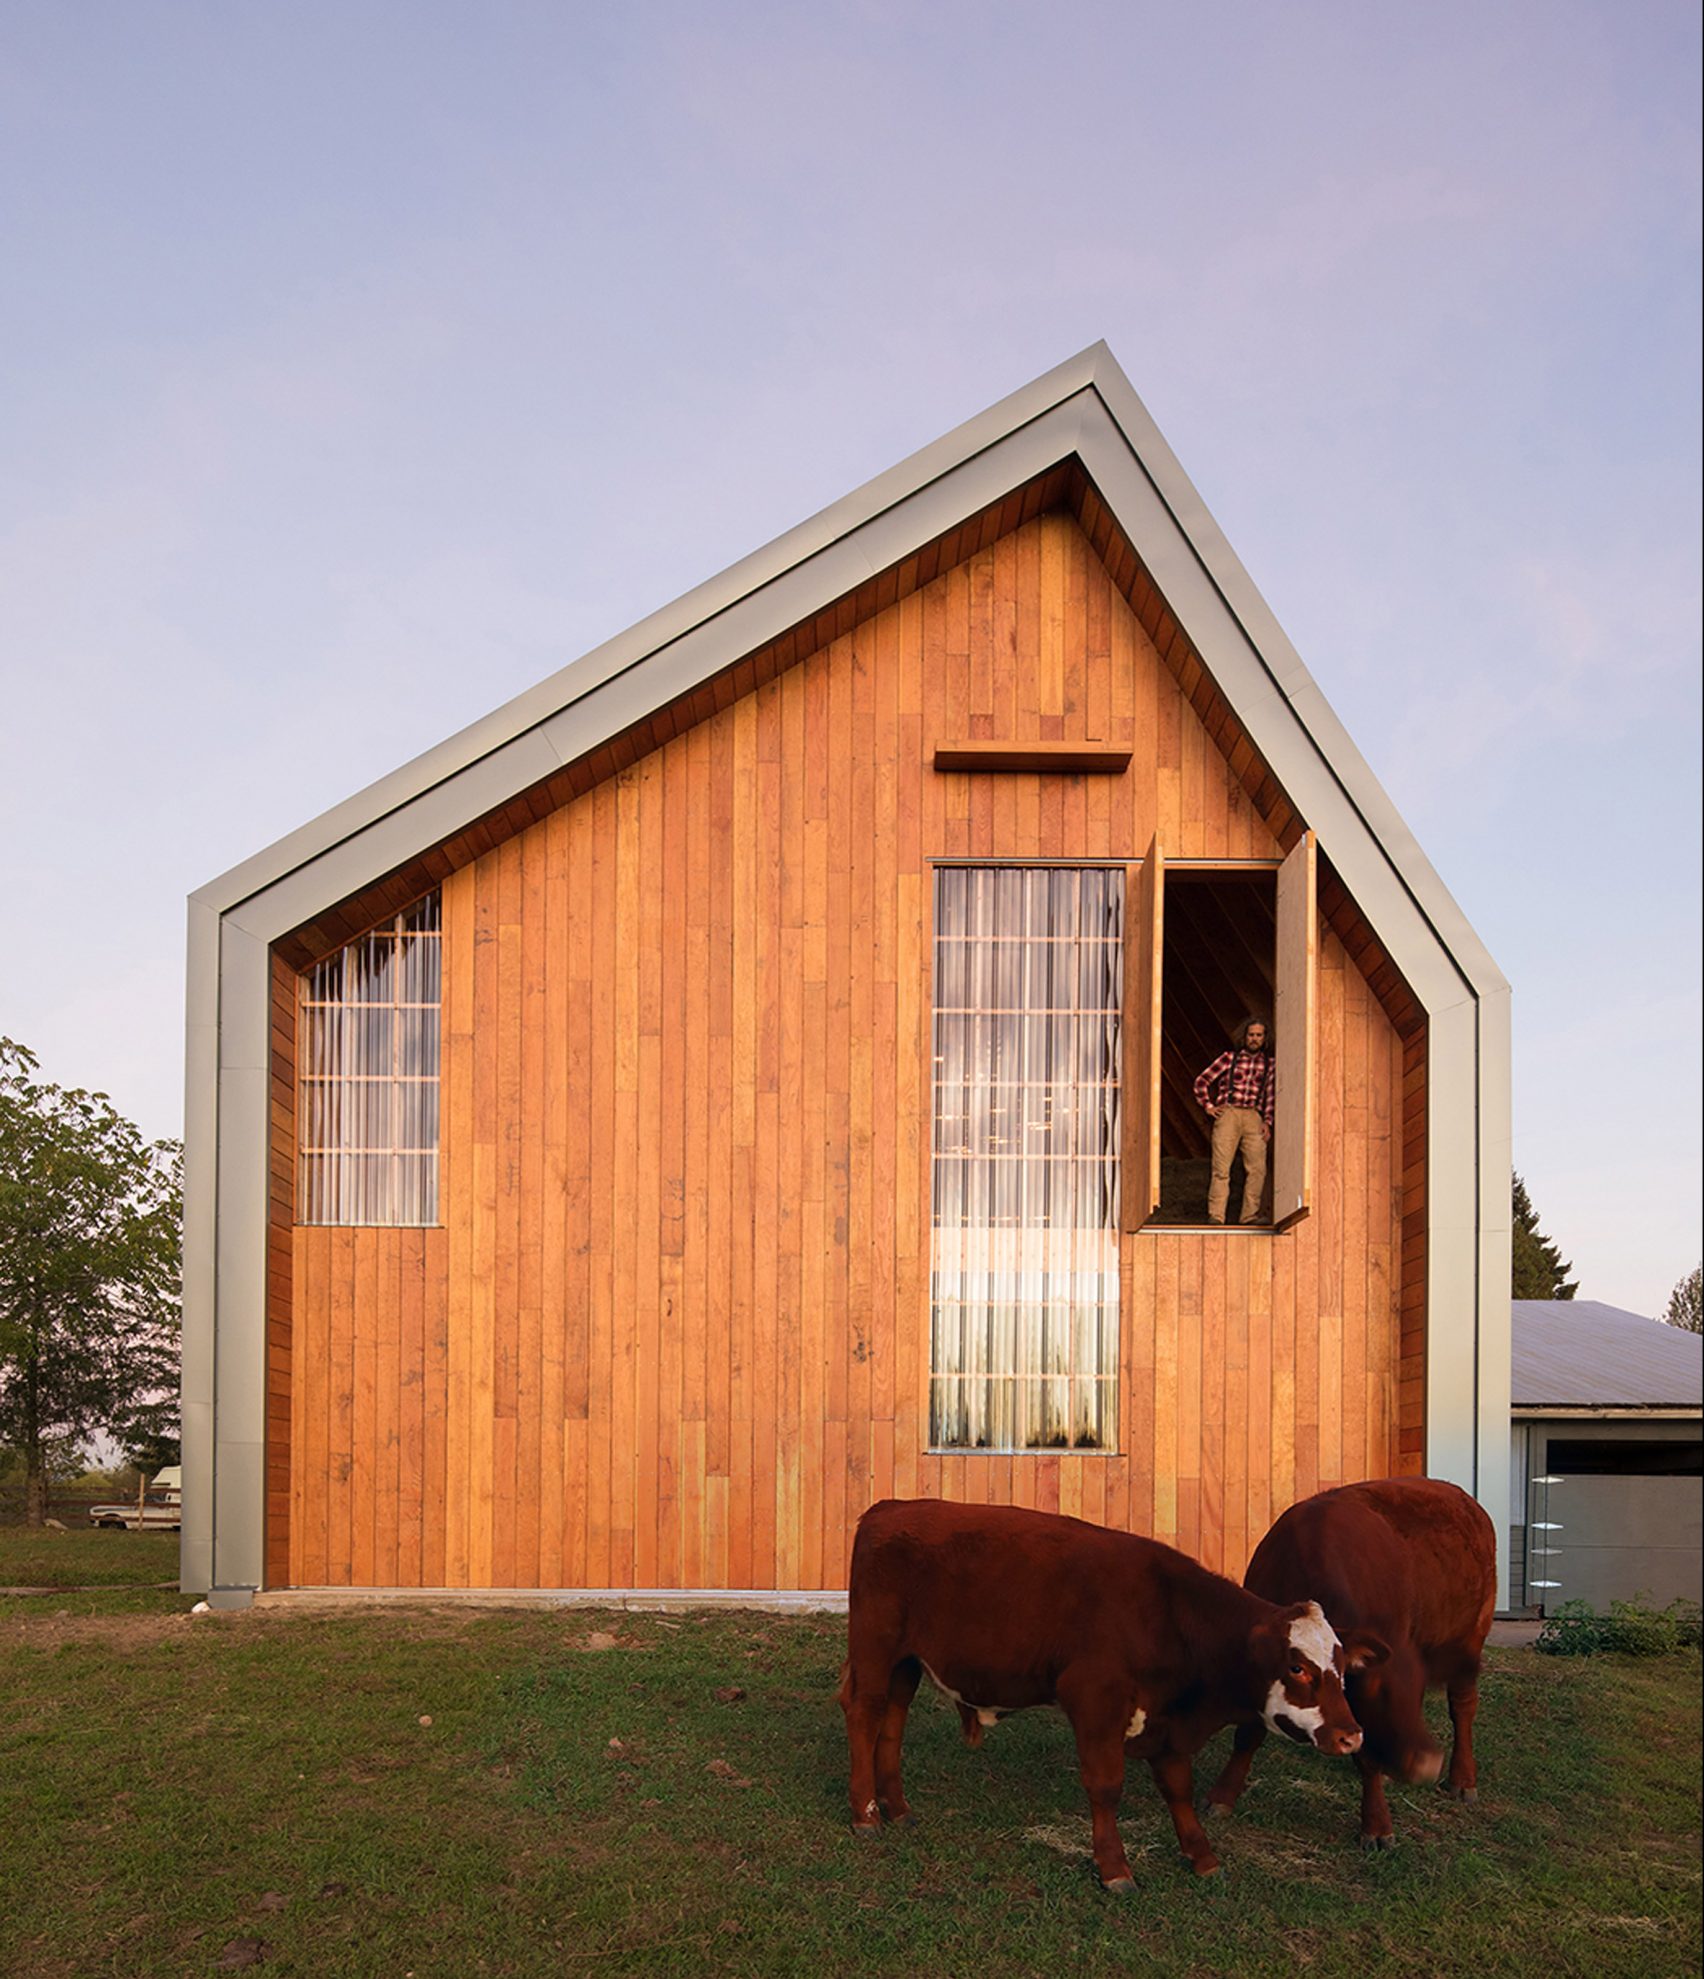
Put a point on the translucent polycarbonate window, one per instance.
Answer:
(1029, 972)
(367, 1070)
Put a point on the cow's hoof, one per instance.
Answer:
(1120, 1886)
(903, 1820)
(1370, 1842)
(1468, 1796)
(1217, 1807)
(866, 1830)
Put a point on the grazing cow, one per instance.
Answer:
(1411, 1563)
(1137, 1644)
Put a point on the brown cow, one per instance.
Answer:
(1137, 1644)
(1410, 1561)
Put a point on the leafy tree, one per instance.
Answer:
(1684, 1303)
(61, 1458)
(1540, 1271)
(90, 1223)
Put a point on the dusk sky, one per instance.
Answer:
(362, 364)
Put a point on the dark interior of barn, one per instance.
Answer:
(1220, 959)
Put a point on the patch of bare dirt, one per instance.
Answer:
(1063, 1841)
(596, 1641)
(120, 1632)
(29, 1593)
(1280, 1855)
(428, 1621)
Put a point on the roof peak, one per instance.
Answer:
(1083, 410)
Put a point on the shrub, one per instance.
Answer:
(1634, 1628)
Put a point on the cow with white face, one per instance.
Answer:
(1146, 1652)
(1408, 1568)
(1307, 1702)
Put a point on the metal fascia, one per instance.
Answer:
(1626, 1412)
(932, 463)
(200, 1222)
(1494, 1221)
(615, 699)
(1268, 642)
(1272, 722)
(240, 1243)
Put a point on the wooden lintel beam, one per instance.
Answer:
(1043, 758)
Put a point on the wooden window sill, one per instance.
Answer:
(987, 1450)
(1204, 1228)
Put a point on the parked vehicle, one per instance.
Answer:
(160, 1509)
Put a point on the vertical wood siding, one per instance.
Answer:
(674, 1330)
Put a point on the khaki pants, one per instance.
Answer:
(1234, 1127)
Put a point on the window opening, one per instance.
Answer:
(1591, 1456)
(1219, 970)
(1024, 1287)
(368, 1051)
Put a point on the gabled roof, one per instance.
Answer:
(1084, 413)
(1578, 1354)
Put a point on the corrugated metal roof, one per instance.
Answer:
(1578, 1354)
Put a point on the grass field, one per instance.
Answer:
(474, 1792)
(143, 1563)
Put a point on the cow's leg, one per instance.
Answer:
(1227, 1788)
(1100, 1758)
(902, 1688)
(970, 1725)
(1463, 1780)
(864, 1699)
(1175, 1778)
(1377, 1828)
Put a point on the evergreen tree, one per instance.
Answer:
(90, 1216)
(148, 1452)
(1540, 1272)
(1684, 1306)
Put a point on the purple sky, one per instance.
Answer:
(360, 364)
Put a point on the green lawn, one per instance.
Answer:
(142, 1562)
(177, 1791)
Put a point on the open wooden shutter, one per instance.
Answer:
(1144, 956)
(1293, 1022)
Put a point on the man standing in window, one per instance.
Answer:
(1235, 1091)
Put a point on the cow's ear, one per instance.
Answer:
(1362, 1650)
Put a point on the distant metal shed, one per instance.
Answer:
(1606, 1456)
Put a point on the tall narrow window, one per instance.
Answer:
(368, 1053)
(1028, 991)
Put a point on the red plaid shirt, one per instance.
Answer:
(1238, 1078)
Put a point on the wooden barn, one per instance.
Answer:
(751, 1074)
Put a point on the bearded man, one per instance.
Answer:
(1235, 1092)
